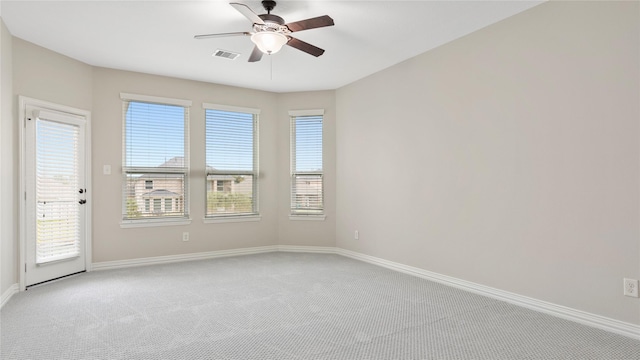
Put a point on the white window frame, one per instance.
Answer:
(157, 221)
(255, 215)
(293, 114)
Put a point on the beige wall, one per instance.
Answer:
(8, 163)
(518, 153)
(45, 75)
(110, 241)
(307, 232)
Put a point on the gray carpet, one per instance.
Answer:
(283, 306)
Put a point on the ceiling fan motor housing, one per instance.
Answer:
(270, 18)
(271, 23)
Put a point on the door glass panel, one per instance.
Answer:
(57, 190)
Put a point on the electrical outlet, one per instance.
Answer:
(356, 235)
(185, 236)
(631, 287)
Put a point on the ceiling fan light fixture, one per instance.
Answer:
(269, 42)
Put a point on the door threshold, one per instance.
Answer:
(54, 280)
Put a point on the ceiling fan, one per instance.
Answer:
(270, 33)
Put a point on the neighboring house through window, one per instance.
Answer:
(307, 185)
(231, 160)
(155, 158)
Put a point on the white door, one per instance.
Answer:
(55, 194)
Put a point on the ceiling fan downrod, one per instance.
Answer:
(268, 5)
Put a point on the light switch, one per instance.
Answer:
(106, 169)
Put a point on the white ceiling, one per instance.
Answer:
(156, 37)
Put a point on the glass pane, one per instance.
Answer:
(154, 135)
(306, 194)
(308, 144)
(306, 165)
(229, 140)
(155, 138)
(57, 210)
(143, 202)
(232, 194)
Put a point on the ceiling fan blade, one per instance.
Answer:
(256, 54)
(303, 46)
(316, 22)
(209, 36)
(247, 12)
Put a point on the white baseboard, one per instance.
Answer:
(597, 321)
(118, 264)
(308, 249)
(6, 296)
(108, 265)
(593, 320)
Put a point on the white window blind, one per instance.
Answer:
(231, 161)
(155, 158)
(307, 188)
(57, 191)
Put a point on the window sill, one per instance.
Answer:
(231, 219)
(307, 217)
(127, 224)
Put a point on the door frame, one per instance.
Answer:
(22, 120)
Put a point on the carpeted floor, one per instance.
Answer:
(283, 306)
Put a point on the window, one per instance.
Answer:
(307, 189)
(231, 161)
(155, 158)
